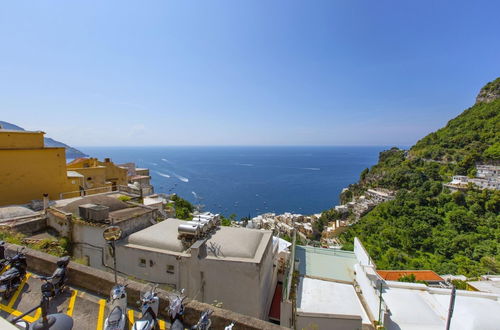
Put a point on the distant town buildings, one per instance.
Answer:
(487, 177)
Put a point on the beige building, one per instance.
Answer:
(234, 266)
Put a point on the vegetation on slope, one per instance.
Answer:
(427, 226)
(472, 136)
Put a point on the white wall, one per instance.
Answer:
(361, 254)
(243, 287)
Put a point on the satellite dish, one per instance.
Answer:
(112, 233)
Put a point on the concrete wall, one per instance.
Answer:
(138, 222)
(21, 140)
(366, 278)
(27, 226)
(361, 255)
(59, 221)
(331, 322)
(101, 282)
(89, 244)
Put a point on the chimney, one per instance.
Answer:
(45, 201)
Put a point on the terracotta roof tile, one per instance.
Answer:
(420, 275)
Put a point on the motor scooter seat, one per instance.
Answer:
(10, 273)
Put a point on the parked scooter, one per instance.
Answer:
(59, 276)
(12, 278)
(4, 262)
(176, 311)
(204, 322)
(117, 318)
(149, 308)
(229, 327)
(57, 321)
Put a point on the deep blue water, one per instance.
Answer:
(250, 180)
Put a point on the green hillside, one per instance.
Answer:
(474, 133)
(427, 226)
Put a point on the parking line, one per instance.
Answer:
(161, 324)
(18, 291)
(130, 318)
(100, 317)
(17, 313)
(71, 304)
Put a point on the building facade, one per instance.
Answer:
(232, 266)
(28, 169)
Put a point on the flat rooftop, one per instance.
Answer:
(324, 263)
(416, 306)
(71, 205)
(330, 298)
(486, 286)
(229, 242)
(128, 213)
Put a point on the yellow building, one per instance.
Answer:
(28, 169)
(99, 174)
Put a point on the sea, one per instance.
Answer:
(248, 181)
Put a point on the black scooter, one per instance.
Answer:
(60, 276)
(12, 278)
(58, 321)
(4, 262)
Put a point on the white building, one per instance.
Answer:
(235, 266)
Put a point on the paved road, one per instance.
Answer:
(88, 310)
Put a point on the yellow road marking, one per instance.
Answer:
(71, 304)
(161, 323)
(18, 291)
(6, 267)
(17, 313)
(100, 317)
(130, 318)
(37, 315)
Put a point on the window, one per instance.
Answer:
(142, 262)
(170, 269)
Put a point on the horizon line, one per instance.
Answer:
(242, 145)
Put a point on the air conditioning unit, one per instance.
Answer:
(93, 212)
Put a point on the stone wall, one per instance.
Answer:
(101, 282)
(27, 226)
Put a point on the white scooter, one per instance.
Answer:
(229, 327)
(176, 311)
(117, 317)
(149, 309)
(204, 322)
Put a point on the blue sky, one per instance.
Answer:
(348, 72)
